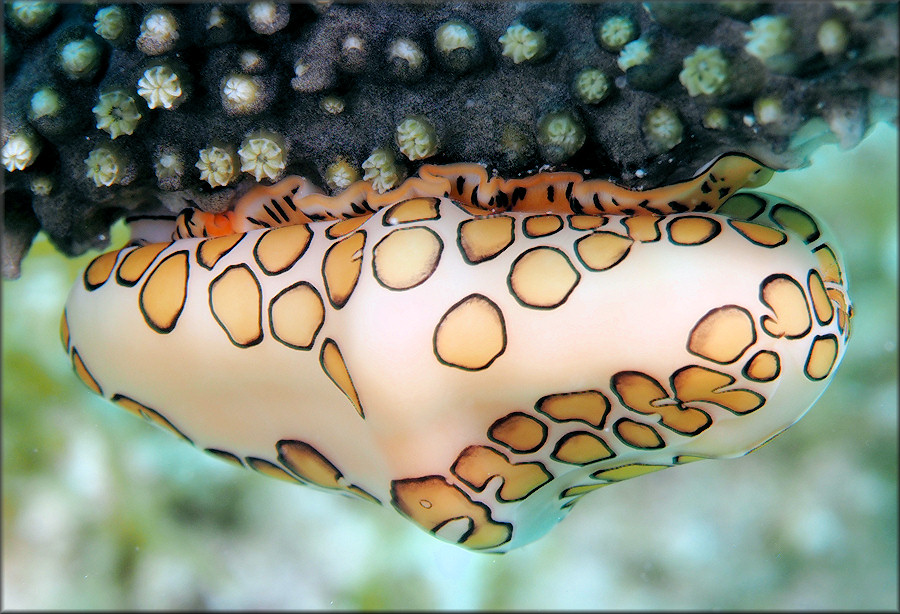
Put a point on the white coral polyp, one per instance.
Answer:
(168, 165)
(267, 17)
(116, 113)
(216, 18)
(31, 14)
(102, 167)
(563, 132)
(416, 139)
(79, 57)
(18, 152)
(381, 169)
(262, 156)
(159, 31)
(41, 185)
(341, 175)
(521, 43)
(240, 91)
(110, 22)
(634, 53)
(160, 25)
(769, 36)
(160, 87)
(705, 71)
(454, 35)
(262, 13)
(45, 103)
(216, 166)
(406, 49)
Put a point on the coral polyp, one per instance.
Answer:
(160, 86)
(615, 32)
(217, 166)
(333, 105)
(522, 44)
(705, 72)
(117, 113)
(769, 36)
(110, 22)
(242, 94)
(382, 169)
(31, 15)
(104, 166)
(169, 165)
(715, 119)
(408, 61)
(832, 37)
(41, 185)
(79, 58)
(341, 174)
(263, 155)
(768, 110)
(267, 17)
(20, 150)
(159, 32)
(416, 138)
(560, 135)
(592, 85)
(458, 46)
(636, 52)
(663, 128)
(44, 103)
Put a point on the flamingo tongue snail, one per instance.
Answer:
(478, 353)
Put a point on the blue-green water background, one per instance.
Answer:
(101, 510)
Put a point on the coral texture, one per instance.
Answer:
(335, 81)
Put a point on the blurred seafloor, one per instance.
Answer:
(101, 510)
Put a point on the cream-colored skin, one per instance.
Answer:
(479, 373)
